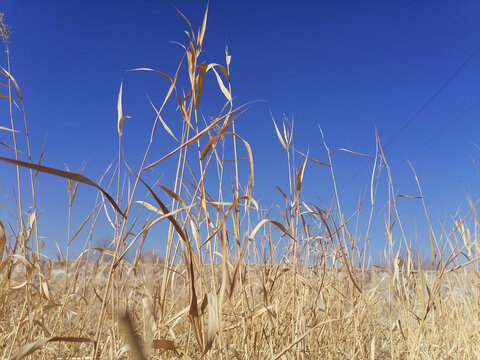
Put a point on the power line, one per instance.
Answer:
(421, 109)
(439, 132)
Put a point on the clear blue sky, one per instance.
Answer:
(347, 66)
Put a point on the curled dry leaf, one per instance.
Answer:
(349, 151)
(222, 86)
(8, 75)
(165, 345)
(121, 118)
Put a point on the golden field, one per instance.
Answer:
(232, 282)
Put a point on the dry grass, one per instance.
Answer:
(234, 283)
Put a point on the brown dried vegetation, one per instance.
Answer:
(232, 283)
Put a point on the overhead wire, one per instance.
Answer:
(440, 132)
(421, 109)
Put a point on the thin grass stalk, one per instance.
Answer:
(14, 136)
(123, 226)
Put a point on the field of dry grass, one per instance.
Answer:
(232, 283)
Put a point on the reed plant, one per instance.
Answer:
(233, 281)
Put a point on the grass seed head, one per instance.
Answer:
(4, 30)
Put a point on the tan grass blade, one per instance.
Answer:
(8, 129)
(183, 110)
(228, 58)
(218, 204)
(199, 83)
(201, 32)
(346, 150)
(408, 196)
(19, 286)
(29, 349)
(65, 174)
(172, 194)
(300, 174)
(164, 124)
(10, 147)
(312, 159)
(46, 292)
(195, 316)
(222, 69)
(249, 241)
(278, 133)
(192, 64)
(104, 251)
(210, 144)
(372, 349)
(189, 142)
(121, 118)
(8, 75)
(224, 90)
(107, 215)
(150, 207)
(184, 18)
(247, 146)
(82, 225)
(225, 216)
(150, 69)
(372, 179)
(212, 321)
(167, 96)
(195, 138)
(172, 220)
(166, 216)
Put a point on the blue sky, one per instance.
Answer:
(347, 66)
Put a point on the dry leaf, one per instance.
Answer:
(121, 118)
(212, 321)
(64, 174)
(278, 134)
(166, 345)
(300, 176)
